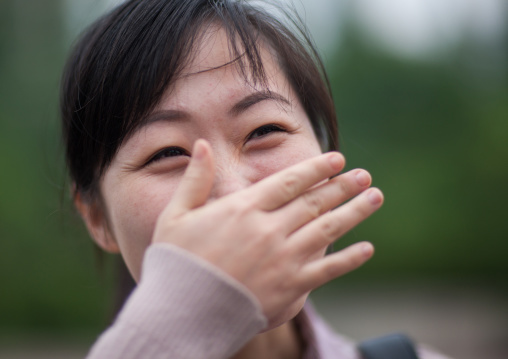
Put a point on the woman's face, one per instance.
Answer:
(253, 133)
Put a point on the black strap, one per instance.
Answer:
(393, 346)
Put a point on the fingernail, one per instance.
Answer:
(199, 150)
(362, 178)
(375, 197)
(336, 161)
(367, 249)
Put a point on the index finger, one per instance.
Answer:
(282, 187)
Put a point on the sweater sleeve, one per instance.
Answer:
(182, 308)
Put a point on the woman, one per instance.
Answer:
(194, 133)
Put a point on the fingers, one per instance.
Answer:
(280, 188)
(196, 184)
(323, 198)
(323, 231)
(319, 272)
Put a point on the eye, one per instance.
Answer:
(168, 152)
(265, 130)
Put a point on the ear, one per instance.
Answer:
(92, 213)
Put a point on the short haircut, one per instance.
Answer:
(123, 63)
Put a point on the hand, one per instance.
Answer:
(271, 236)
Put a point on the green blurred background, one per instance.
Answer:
(430, 124)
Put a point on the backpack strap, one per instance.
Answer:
(393, 346)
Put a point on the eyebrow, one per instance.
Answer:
(238, 108)
(250, 100)
(163, 115)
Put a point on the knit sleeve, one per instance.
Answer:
(182, 308)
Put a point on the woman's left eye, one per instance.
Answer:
(265, 130)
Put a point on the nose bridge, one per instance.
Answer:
(230, 176)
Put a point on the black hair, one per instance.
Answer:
(125, 61)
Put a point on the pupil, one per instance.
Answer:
(173, 152)
(266, 129)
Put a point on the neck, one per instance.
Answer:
(282, 342)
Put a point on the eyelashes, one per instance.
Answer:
(265, 130)
(172, 151)
(176, 151)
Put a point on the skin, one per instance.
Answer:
(239, 180)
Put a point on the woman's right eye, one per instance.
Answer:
(168, 152)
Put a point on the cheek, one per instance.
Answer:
(133, 211)
(136, 215)
(265, 164)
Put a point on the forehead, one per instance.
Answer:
(215, 51)
(212, 51)
(214, 77)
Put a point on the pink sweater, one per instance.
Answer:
(186, 308)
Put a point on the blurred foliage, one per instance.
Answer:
(434, 136)
(432, 133)
(48, 268)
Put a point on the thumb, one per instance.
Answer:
(197, 181)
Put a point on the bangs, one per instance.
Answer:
(125, 62)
